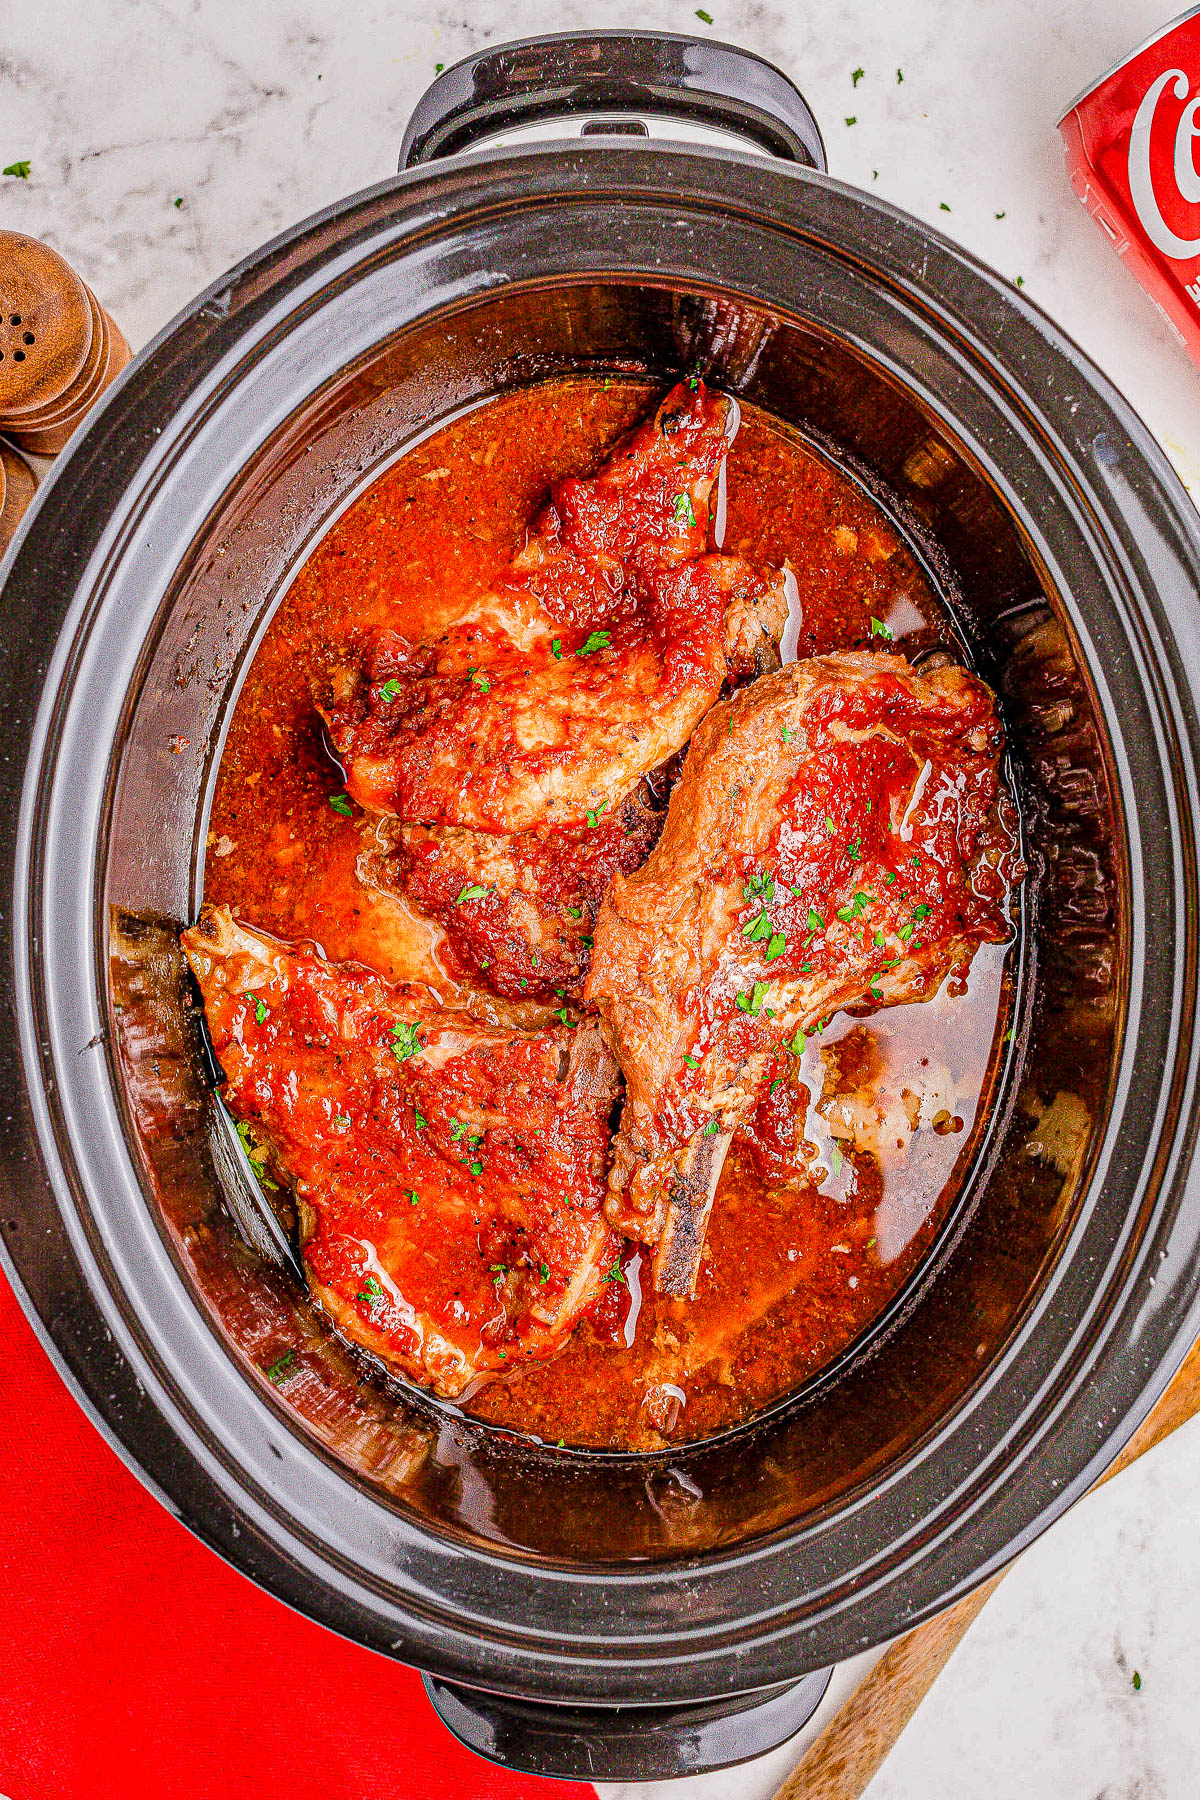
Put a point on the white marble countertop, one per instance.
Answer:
(167, 139)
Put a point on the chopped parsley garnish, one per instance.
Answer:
(480, 681)
(593, 818)
(906, 932)
(854, 850)
(921, 912)
(835, 1159)
(562, 1013)
(616, 1273)
(890, 877)
(281, 1368)
(776, 1083)
(390, 689)
(845, 913)
(829, 824)
(406, 1041)
(879, 629)
(876, 991)
(759, 884)
(471, 893)
(556, 648)
(752, 1002)
(595, 640)
(691, 1062)
(21, 169)
(815, 922)
(777, 945)
(787, 735)
(413, 1197)
(685, 512)
(879, 940)
(475, 1168)
(419, 1120)
(710, 1130)
(341, 804)
(341, 1122)
(261, 1009)
(372, 1293)
(575, 912)
(254, 1156)
(758, 927)
(544, 1273)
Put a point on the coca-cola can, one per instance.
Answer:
(1133, 155)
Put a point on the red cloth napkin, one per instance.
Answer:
(136, 1665)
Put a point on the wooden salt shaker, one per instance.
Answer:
(58, 347)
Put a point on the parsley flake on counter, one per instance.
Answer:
(19, 169)
(177, 201)
(1001, 215)
(853, 120)
(899, 76)
(595, 640)
(705, 18)
(942, 207)
(281, 1368)
(685, 512)
(856, 77)
(341, 804)
(471, 893)
(879, 629)
(1137, 1681)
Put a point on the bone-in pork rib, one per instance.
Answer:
(835, 839)
(547, 701)
(448, 1177)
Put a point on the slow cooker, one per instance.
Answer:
(658, 203)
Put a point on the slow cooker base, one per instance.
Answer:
(625, 1743)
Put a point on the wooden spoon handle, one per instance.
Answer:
(856, 1742)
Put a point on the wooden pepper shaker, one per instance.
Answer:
(58, 347)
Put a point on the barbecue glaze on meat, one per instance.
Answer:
(550, 698)
(448, 1177)
(833, 842)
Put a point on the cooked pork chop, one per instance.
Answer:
(546, 701)
(448, 1177)
(835, 840)
(517, 910)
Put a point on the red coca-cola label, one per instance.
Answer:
(1133, 153)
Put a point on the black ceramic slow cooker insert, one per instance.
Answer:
(699, 1591)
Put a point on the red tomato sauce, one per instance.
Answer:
(836, 1186)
